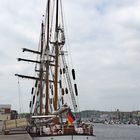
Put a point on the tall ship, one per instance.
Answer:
(54, 109)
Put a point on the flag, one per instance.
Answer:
(70, 117)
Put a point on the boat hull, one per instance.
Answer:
(66, 137)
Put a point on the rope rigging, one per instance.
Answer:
(19, 97)
(21, 109)
(49, 56)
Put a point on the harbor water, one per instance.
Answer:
(113, 132)
(116, 132)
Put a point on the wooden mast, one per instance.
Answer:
(41, 68)
(47, 64)
(56, 58)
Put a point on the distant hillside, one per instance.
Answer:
(115, 114)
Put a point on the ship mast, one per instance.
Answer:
(51, 58)
(41, 67)
(47, 63)
(56, 58)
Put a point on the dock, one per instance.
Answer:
(15, 134)
(16, 137)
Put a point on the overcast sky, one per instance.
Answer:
(104, 36)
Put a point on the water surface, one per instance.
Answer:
(117, 132)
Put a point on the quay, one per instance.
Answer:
(16, 137)
(15, 134)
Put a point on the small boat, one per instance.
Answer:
(54, 111)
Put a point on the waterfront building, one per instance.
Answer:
(5, 112)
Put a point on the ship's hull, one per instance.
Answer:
(66, 137)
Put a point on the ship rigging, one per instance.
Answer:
(54, 93)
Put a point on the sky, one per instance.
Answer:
(104, 40)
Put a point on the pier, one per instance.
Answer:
(15, 134)
(16, 137)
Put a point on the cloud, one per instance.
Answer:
(103, 37)
(108, 49)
